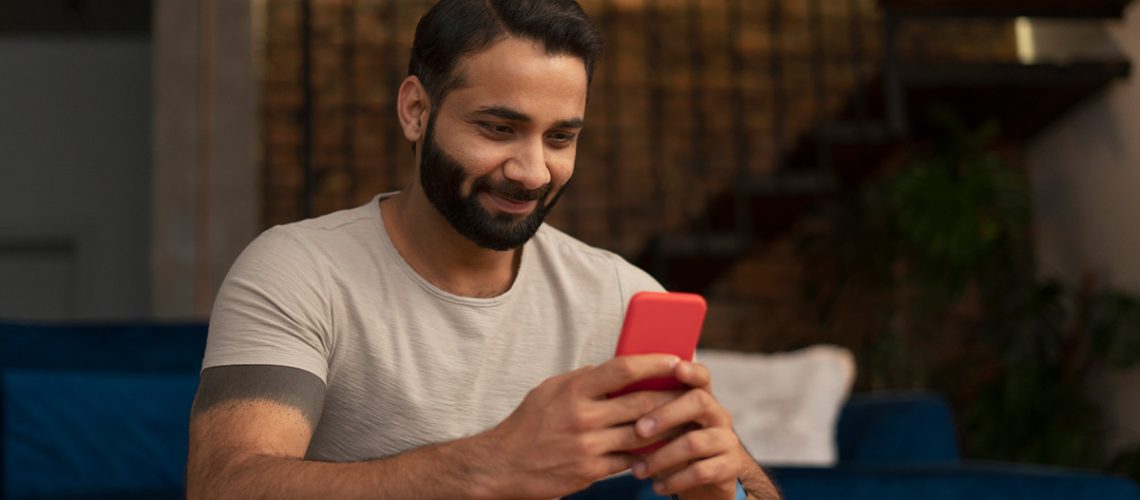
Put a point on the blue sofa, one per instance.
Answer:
(97, 411)
(903, 446)
(101, 411)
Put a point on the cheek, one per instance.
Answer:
(561, 168)
(474, 163)
(466, 149)
(476, 159)
(477, 166)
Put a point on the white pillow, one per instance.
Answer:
(784, 406)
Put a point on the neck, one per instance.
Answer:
(442, 256)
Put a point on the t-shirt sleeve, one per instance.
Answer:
(632, 280)
(272, 308)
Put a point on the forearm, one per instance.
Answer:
(449, 470)
(757, 483)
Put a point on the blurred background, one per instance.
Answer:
(945, 187)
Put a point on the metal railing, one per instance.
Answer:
(692, 100)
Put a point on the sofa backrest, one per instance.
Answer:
(896, 428)
(97, 409)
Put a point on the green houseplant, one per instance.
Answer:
(937, 255)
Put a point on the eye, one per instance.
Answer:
(561, 138)
(497, 129)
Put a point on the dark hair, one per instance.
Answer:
(456, 28)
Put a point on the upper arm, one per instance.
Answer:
(273, 308)
(253, 410)
(262, 389)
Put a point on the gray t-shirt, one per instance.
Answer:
(406, 363)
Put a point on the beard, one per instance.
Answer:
(442, 178)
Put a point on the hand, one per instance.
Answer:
(566, 434)
(706, 461)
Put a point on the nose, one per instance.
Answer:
(528, 165)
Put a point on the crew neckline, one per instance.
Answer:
(423, 283)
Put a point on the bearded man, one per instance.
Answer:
(442, 342)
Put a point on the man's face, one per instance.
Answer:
(443, 178)
(499, 150)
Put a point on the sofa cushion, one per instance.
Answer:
(784, 405)
(91, 432)
(96, 410)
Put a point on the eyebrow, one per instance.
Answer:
(514, 115)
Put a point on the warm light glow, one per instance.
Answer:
(1026, 49)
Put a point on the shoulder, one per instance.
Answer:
(313, 240)
(584, 259)
(300, 254)
(333, 227)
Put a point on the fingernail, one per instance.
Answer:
(645, 426)
(673, 360)
(639, 470)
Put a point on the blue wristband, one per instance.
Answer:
(740, 493)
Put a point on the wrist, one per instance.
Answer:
(483, 471)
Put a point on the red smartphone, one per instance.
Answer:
(660, 323)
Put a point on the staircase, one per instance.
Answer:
(884, 110)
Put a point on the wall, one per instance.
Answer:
(74, 174)
(1086, 181)
(128, 161)
(206, 186)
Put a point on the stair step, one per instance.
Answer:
(856, 132)
(791, 183)
(714, 244)
(1087, 9)
(1042, 75)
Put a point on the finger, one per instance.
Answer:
(614, 463)
(560, 380)
(693, 446)
(696, 406)
(622, 438)
(624, 370)
(718, 470)
(630, 407)
(693, 375)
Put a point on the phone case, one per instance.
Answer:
(660, 323)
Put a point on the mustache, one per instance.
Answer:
(512, 190)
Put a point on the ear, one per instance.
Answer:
(413, 108)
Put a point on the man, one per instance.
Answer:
(441, 342)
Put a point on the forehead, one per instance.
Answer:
(520, 75)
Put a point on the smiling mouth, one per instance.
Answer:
(510, 205)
